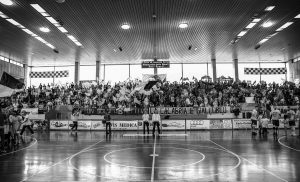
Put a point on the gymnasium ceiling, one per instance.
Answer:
(212, 25)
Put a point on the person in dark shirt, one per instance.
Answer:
(107, 122)
(2, 119)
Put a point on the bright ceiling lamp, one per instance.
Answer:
(242, 33)
(49, 45)
(125, 26)
(256, 20)
(298, 16)
(269, 8)
(263, 41)
(72, 37)
(38, 8)
(251, 25)
(62, 29)
(45, 29)
(267, 24)
(52, 20)
(284, 26)
(183, 25)
(7, 2)
(78, 43)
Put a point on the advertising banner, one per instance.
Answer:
(241, 123)
(174, 125)
(82, 125)
(97, 125)
(126, 125)
(31, 110)
(59, 125)
(216, 124)
(199, 124)
(227, 124)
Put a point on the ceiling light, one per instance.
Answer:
(45, 29)
(52, 20)
(242, 33)
(28, 31)
(269, 8)
(6, 2)
(298, 16)
(263, 41)
(115, 50)
(45, 14)
(183, 25)
(255, 20)
(251, 25)
(125, 26)
(78, 43)
(40, 39)
(72, 38)
(2, 58)
(12, 21)
(3, 15)
(49, 45)
(62, 29)
(267, 24)
(284, 26)
(38, 8)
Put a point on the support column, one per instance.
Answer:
(236, 69)
(155, 71)
(76, 75)
(97, 71)
(25, 67)
(214, 69)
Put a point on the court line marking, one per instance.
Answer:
(35, 141)
(129, 135)
(153, 160)
(105, 158)
(286, 145)
(251, 163)
(43, 170)
(197, 178)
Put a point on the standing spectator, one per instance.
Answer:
(2, 136)
(75, 115)
(107, 119)
(156, 121)
(275, 116)
(26, 123)
(264, 124)
(254, 121)
(15, 124)
(145, 121)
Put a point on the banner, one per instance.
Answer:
(216, 124)
(97, 125)
(174, 125)
(59, 125)
(126, 125)
(199, 124)
(241, 124)
(264, 71)
(10, 81)
(82, 125)
(49, 74)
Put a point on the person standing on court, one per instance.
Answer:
(26, 123)
(275, 116)
(291, 117)
(254, 121)
(75, 116)
(107, 119)
(156, 121)
(145, 118)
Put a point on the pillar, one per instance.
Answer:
(97, 71)
(76, 75)
(25, 67)
(214, 69)
(236, 69)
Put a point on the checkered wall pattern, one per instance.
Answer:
(264, 71)
(49, 74)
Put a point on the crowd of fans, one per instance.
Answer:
(129, 94)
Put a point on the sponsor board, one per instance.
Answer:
(198, 124)
(82, 125)
(173, 125)
(36, 116)
(227, 124)
(59, 124)
(241, 124)
(220, 115)
(126, 125)
(31, 110)
(216, 124)
(97, 125)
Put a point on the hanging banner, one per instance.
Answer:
(59, 125)
(49, 74)
(156, 64)
(199, 124)
(264, 71)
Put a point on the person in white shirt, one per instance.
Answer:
(254, 121)
(75, 117)
(26, 123)
(291, 117)
(275, 116)
(264, 124)
(156, 121)
(145, 118)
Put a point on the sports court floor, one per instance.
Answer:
(62, 156)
